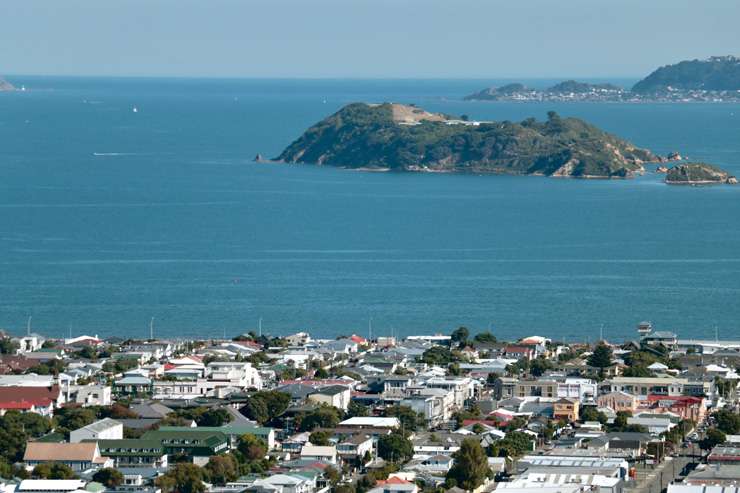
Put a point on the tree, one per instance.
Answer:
(712, 438)
(182, 478)
(438, 356)
(470, 467)
(321, 373)
(108, 477)
(222, 469)
(53, 470)
(266, 405)
(251, 447)
(727, 422)
(485, 338)
(320, 438)
(356, 409)
(539, 366)
(332, 475)
(410, 419)
(8, 346)
(395, 447)
(478, 428)
(601, 357)
(514, 444)
(592, 414)
(214, 417)
(637, 371)
(460, 335)
(73, 418)
(321, 417)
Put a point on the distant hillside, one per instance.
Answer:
(406, 138)
(501, 92)
(5, 85)
(575, 86)
(714, 74)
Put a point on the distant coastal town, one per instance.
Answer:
(427, 413)
(714, 80)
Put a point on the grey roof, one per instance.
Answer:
(101, 425)
(150, 410)
(296, 390)
(331, 390)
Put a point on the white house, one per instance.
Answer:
(104, 429)
(323, 454)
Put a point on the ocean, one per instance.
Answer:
(110, 217)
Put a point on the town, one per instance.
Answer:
(425, 414)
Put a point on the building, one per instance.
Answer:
(78, 456)
(566, 409)
(332, 395)
(232, 431)
(319, 453)
(108, 429)
(194, 444)
(50, 485)
(355, 447)
(90, 395)
(135, 453)
(618, 401)
(34, 399)
(688, 407)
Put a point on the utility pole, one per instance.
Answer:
(28, 326)
(370, 329)
(151, 329)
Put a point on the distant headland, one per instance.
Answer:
(6, 86)
(716, 79)
(396, 137)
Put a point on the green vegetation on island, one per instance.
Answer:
(718, 73)
(406, 138)
(697, 174)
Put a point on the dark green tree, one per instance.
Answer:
(395, 447)
(182, 478)
(712, 438)
(601, 357)
(321, 417)
(470, 467)
(460, 335)
(108, 477)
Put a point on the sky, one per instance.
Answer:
(362, 38)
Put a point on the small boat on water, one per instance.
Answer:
(135, 109)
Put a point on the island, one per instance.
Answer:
(716, 79)
(716, 74)
(698, 174)
(398, 137)
(6, 86)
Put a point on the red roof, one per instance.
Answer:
(678, 400)
(393, 480)
(518, 349)
(27, 397)
(358, 339)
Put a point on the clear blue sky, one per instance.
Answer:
(362, 38)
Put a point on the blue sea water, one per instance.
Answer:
(109, 217)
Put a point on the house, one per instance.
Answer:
(332, 395)
(394, 485)
(688, 407)
(133, 385)
(463, 388)
(135, 453)
(285, 483)
(323, 454)
(106, 428)
(519, 352)
(232, 373)
(39, 400)
(78, 456)
(566, 409)
(90, 395)
(618, 401)
(355, 447)
(434, 408)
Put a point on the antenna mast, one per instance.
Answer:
(151, 329)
